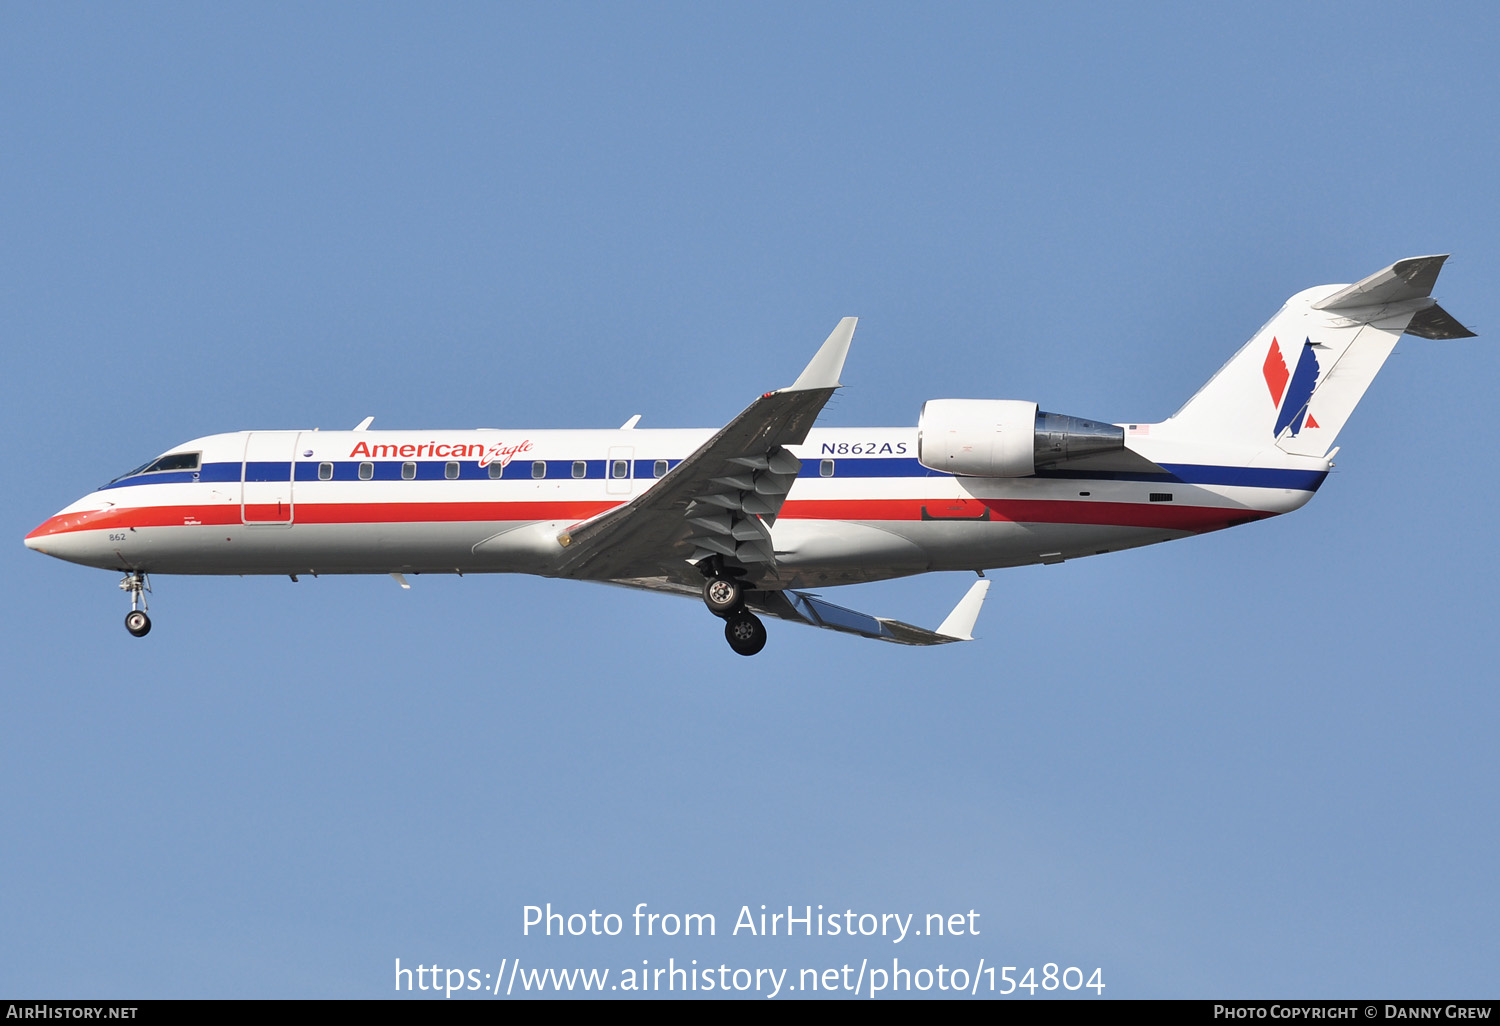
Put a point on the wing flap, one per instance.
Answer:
(801, 607)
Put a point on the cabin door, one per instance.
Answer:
(266, 477)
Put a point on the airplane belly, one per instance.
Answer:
(809, 544)
(1006, 544)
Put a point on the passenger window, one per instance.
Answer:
(825, 469)
(325, 471)
(580, 468)
(451, 471)
(408, 471)
(539, 469)
(659, 468)
(619, 469)
(366, 471)
(497, 471)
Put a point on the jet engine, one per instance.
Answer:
(1006, 437)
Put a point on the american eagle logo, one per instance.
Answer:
(1291, 391)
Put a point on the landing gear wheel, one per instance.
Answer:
(723, 595)
(136, 585)
(745, 633)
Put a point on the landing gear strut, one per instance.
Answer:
(136, 621)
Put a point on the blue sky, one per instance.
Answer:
(1257, 763)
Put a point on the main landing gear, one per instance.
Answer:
(745, 633)
(725, 597)
(136, 621)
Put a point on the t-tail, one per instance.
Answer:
(1296, 382)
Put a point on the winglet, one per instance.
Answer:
(960, 622)
(824, 369)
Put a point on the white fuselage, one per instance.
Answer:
(861, 509)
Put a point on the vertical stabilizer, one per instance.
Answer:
(1297, 381)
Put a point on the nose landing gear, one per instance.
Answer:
(136, 621)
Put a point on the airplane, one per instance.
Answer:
(753, 516)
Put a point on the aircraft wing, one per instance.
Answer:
(722, 499)
(804, 608)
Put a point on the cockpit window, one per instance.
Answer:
(171, 461)
(130, 473)
(175, 461)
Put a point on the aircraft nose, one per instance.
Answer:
(37, 538)
(75, 534)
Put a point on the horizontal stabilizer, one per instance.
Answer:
(1437, 323)
(1412, 278)
(810, 609)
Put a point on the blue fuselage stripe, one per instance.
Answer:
(843, 467)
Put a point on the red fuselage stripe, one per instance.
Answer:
(1160, 515)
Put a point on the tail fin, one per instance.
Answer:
(1296, 382)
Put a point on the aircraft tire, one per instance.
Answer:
(745, 633)
(137, 623)
(723, 595)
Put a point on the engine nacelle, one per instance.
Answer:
(1005, 437)
(978, 437)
